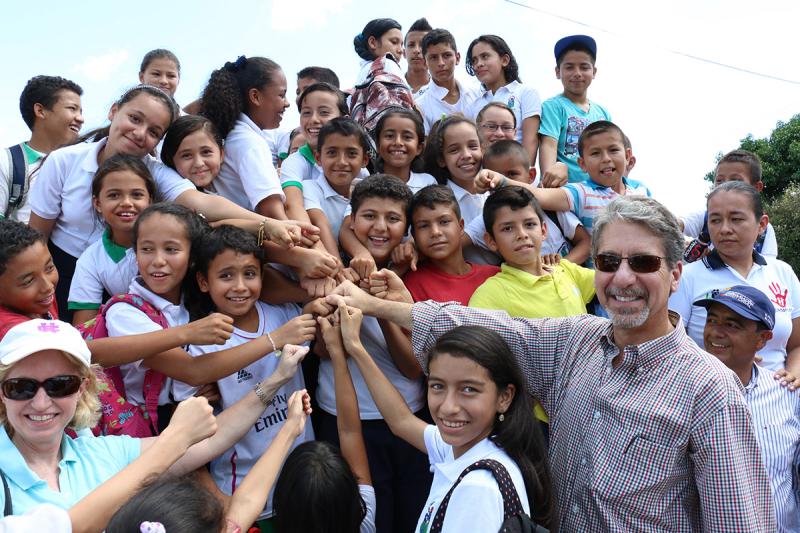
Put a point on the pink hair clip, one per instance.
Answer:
(152, 527)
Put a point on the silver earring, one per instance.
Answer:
(501, 417)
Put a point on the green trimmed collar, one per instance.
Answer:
(308, 153)
(114, 250)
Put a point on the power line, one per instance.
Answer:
(676, 52)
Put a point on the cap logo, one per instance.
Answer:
(739, 297)
(48, 327)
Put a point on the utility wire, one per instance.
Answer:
(676, 52)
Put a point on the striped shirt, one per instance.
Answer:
(660, 442)
(588, 198)
(776, 418)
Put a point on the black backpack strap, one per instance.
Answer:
(6, 495)
(511, 503)
(19, 169)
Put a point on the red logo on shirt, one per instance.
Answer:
(780, 297)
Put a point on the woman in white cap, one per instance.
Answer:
(48, 384)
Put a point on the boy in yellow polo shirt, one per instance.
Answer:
(525, 287)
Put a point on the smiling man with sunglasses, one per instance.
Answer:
(648, 432)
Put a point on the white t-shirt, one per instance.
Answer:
(63, 192)
(42, 517)
(247, 175)
(233, 465)
(318, 194)
(693, 225)
(375, 344)
(368, 495)
(104, 266)
(771, 276)
(524, 101)
(433, 107)
(554, 243)
(123, 319)
(476, 504)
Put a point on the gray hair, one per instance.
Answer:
(647, 213)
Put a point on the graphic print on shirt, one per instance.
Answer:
(426, 521)
(780, 295)
(511, 102)
(243, 375)
(575, 126)
(275, 413)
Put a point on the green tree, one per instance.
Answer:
(785, 218)
(780, 157)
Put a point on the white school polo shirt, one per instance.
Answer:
(524, 101)
(433, 107)
(318, 194)
(418, 180)
(233, 465)
(299, 167)
(104, 266)
(63, 192)
(247, 175)
(476, 504)
(374, 343)
(123, 319)
(773, 277)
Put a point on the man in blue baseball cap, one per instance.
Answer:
(739, 323)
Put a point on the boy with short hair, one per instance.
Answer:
(311, 75)
(445, 95)
(564, 117)
(738, 165)
(566, 235)
(417, 74)
(525, 287)
(400, 473)
(437, 226)
(51, 108)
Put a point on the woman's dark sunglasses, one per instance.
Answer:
(55, 387)
(641, 264)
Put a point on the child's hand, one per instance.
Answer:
(551, 259)
(404, 256)
(350, 319)
(488, 180)
(318, 264)
(288, 233)
(298, 410)
(192, 421)
(290, 360)
(332, 335)
(348, 274)
(319, 307)
(296, 331)
(216, 328)
(555, 176)
(318, 287)
(209, 391)
(387, 285)
(787, 379)
(363, 265)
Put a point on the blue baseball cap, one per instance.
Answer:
(745, 301)
(571, 42)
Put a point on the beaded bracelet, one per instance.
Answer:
(274, 346)
(262, 232)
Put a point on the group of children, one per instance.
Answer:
(183, 212)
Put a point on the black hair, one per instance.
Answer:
(507, 148)
(434, 148)
(419, 25)
(182, 128)
(518, 434)
(740, 187)
(122, 162)
(381, 186)
(438, 36)
(498, 105)
(575, 47)
(317, 492)
(43, 90)
(15, 238)
(159, 53)
(320, 74)
(374, 28)
(127, 96)
(429, 197)
(226, 94)
(598, 128)
(180, 504)
(417, 164)
(511, 71)
(512, 196)
(325, 87)
(346, 127)
(214, 243)
(748, 158)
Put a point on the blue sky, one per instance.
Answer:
(678, 112)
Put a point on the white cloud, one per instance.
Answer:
(288, 15)
(102, 67)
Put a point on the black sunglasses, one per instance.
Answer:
(55, 387)
(641, 263)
